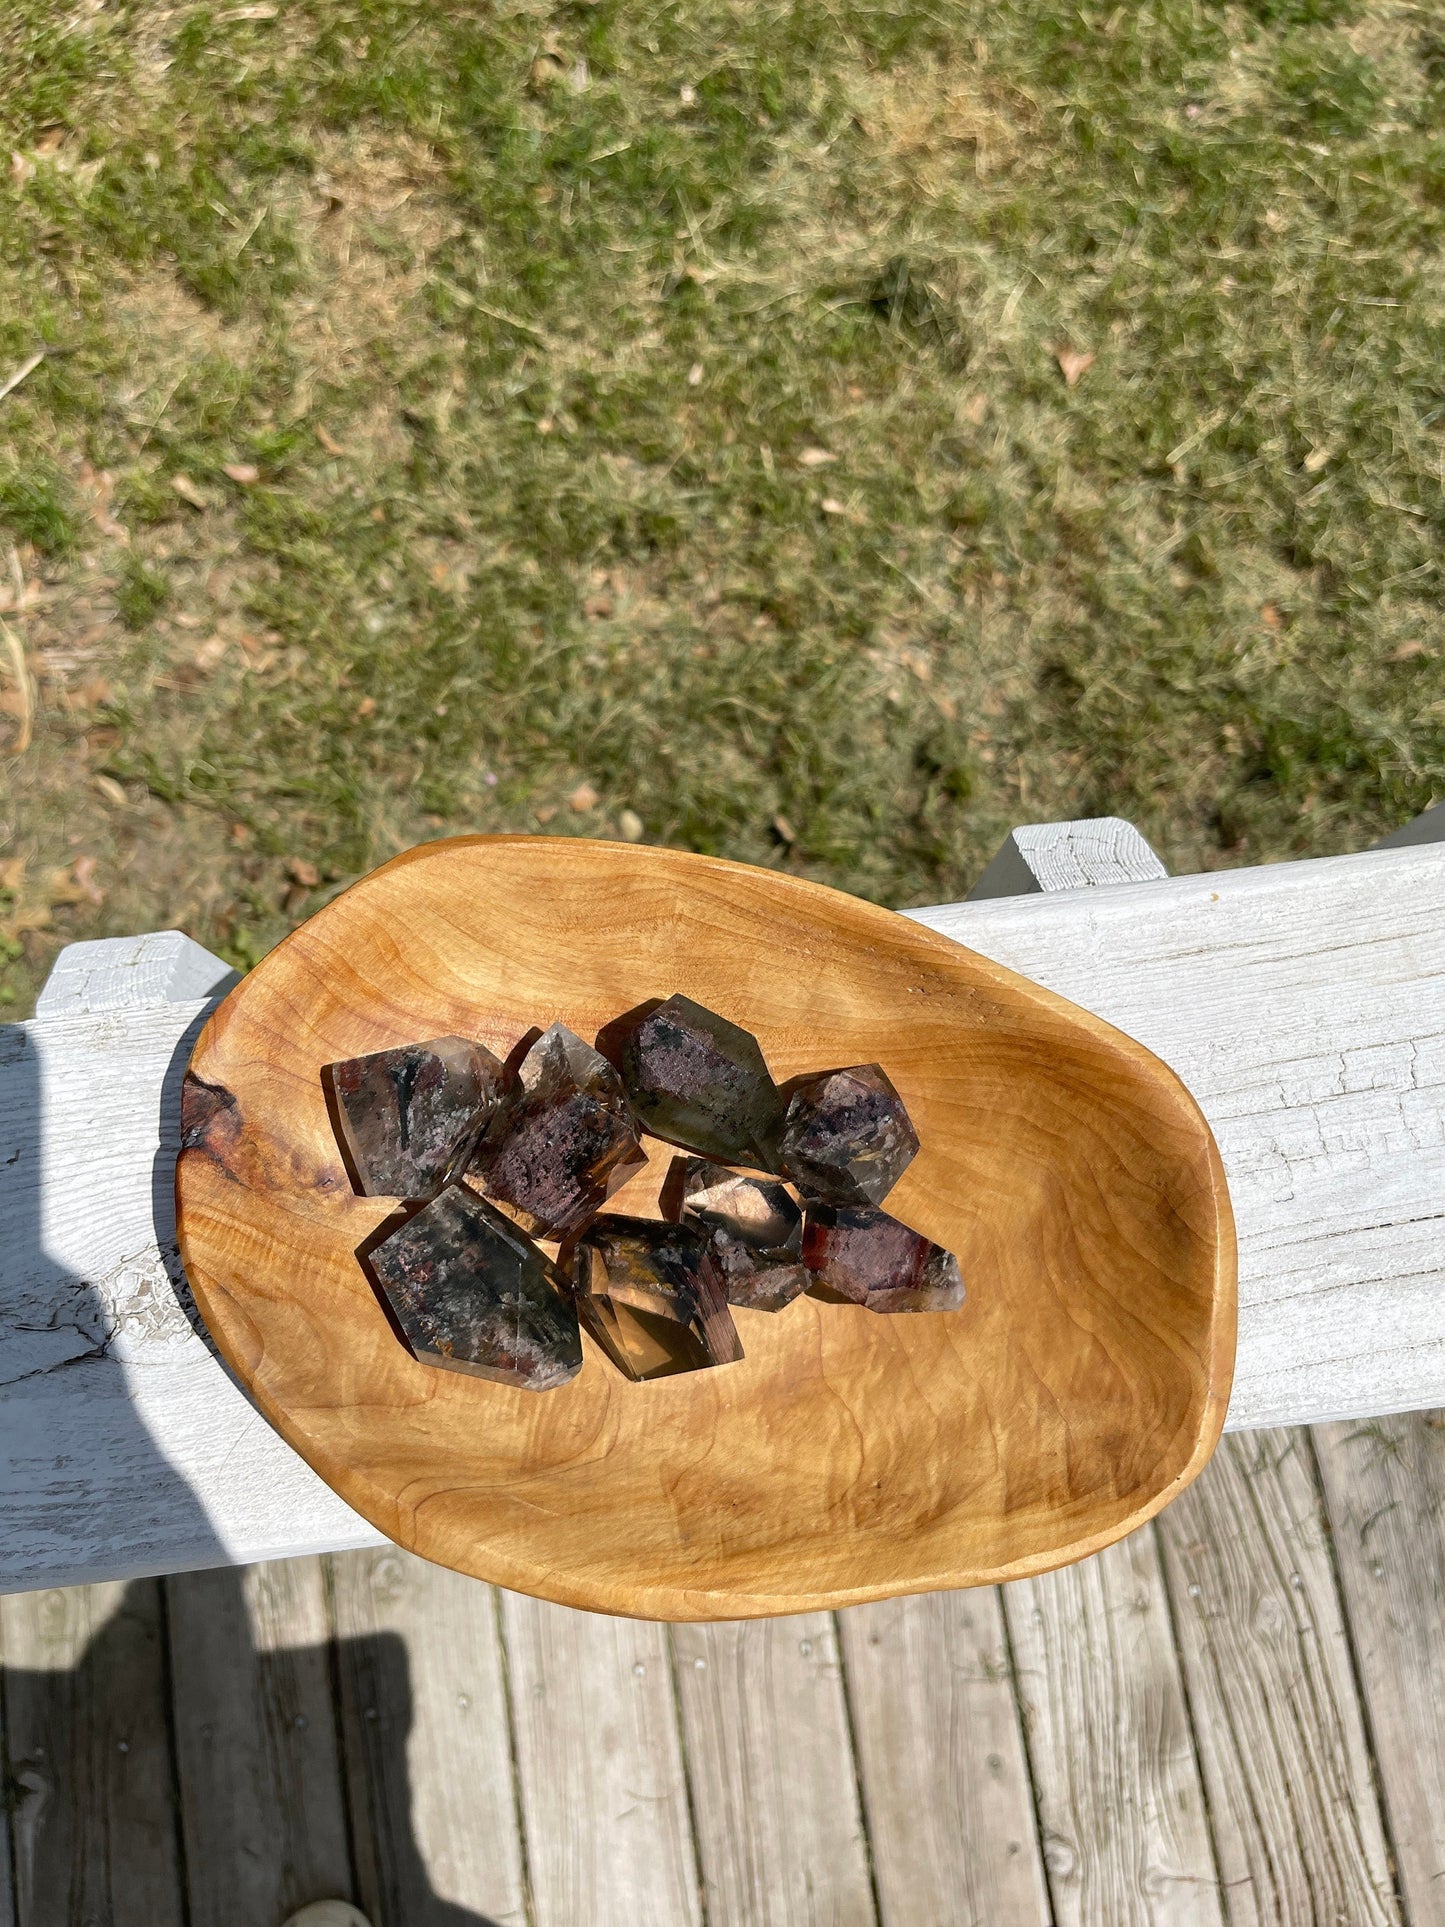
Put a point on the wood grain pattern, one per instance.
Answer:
(428, 1755)
(848, 1456)
(1295, 1818)
(774, 1794)
(1385, 1487)
(604, 1794)
(1046, 857)
(1126, 1842)
(941, 1759)
(91, 1781)
(262, 1799)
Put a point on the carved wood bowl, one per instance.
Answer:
(849, 1456)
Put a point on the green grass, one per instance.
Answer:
(536, 327)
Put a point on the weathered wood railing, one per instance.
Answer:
(1303, 1004)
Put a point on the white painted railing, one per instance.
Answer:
(1303, 1004)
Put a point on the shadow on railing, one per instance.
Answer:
(158, 1767)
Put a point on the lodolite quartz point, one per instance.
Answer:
(407, 1118)
(846, 1136)
(652, 1296)
(864, 1254)
(471, 1292)
(564, 1142)
(755, 1227)
(696, 1080)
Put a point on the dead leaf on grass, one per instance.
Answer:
(36, 917)
(815, 457)
(301, 870)
(1073, 365)
(210, 652)
(107, 787)
(544, 812)
(62, 888)
(328, 442)
(631, 825)
(582, 799)
(1408, 651)
(243, 473)
(784, 831)
(12, 873)
(83, 870)
(190, 492)
(24, 688)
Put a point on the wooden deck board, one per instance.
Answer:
(427, 1736)
(941, 1761)
(1115, 1772)
(94, 1821)
(774, 1786)
(262, 1803)
(1296, 1824)
(603, 1791)
(1384, 1483)
(1290, 1832)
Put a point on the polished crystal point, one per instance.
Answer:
(696, 1080)
(472, 1292)
(864, 1254)
(755, 1227)
(563, 1143)
(652, 1296)
(407, 1118)
(846, 1136)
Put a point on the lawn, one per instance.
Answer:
(823, 434)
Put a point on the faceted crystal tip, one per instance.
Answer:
(696, 1080)
(652, 1297)
(406, 1119)
(864, 1254)
(473, 1293)
(565, 1141)
(755, 1227)
(846, 1136)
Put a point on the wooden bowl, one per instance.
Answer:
(849, 1456)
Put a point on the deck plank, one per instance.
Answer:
(1296, 1822)
(1384, 1484)
(599, 1766)
(428, 1752)
(90, 1760)
(774, 1786)
(941, 1760)
(262, 1804)
(1115, 1774)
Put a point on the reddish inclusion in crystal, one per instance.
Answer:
(474, 1294)
(406, 1118)
(564, 1142)
(863, 1254)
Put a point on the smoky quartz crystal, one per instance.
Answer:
(864, 1254)
(845, 1135)
(696, 1080)
(407, 1118)
(471, 1292)
(564, 1141)
(755, 1227)
(653, 1298)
